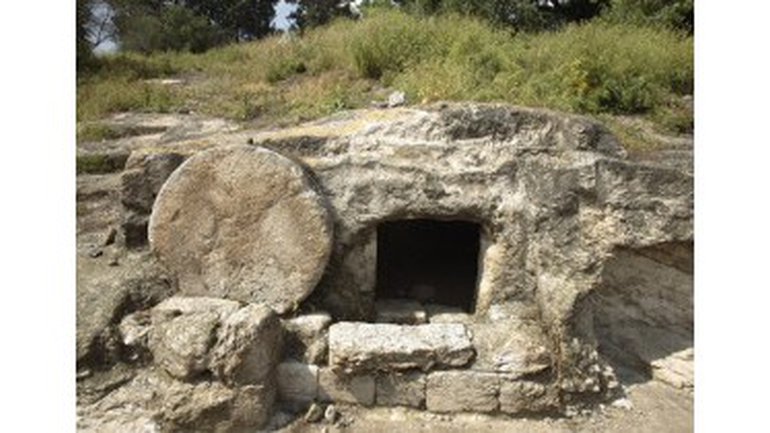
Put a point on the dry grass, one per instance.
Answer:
(596, 68)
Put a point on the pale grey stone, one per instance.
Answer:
(512, 347)
(340, 388)
(520, 396)
(446, 314)
(401, 389)
(356, 346)
(314, 413)
(179, 406)
(181, 345)
(248, 347)
(396, 99)
(462, 391)
(330, 414)
(297, 382)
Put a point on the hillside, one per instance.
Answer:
(636, 79)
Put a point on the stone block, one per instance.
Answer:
(401, 389)
(357, 346)
(339, 388)
(297, 382)
(520, 396)
(462, 391)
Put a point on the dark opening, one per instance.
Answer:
(434, 262)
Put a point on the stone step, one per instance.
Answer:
(361, 347)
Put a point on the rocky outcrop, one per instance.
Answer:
(584, 260)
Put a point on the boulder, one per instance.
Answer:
(181, 345)
(242, 223)
(189, 336)
(105, 294)
(355, 346)
(248, 346)
(153, 401)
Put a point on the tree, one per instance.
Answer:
(240, 19)
(677, 14)
(84, 56)
(189, 25)
(530, 15)
(313, 13)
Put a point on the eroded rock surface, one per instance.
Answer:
(584, 258)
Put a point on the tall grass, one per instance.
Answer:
(597, 67)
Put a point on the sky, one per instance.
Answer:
(280, 22)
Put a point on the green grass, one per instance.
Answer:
(596, 68)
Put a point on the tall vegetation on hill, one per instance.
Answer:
(600, 67)
(173, 25)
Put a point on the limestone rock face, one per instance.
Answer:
(141, 181)
(357, 346)
(154, 402)
(242, 223)
(105, 293)
(513, 348)
(554, 196)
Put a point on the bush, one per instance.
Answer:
(671, 14)
(174, 28)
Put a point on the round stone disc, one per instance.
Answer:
(242, 223)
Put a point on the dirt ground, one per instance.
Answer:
(651, 407)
